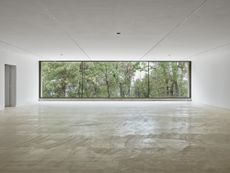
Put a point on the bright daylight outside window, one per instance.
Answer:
(135, 79)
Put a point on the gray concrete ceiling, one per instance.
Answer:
(86, 29)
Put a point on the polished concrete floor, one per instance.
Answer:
(115, 137)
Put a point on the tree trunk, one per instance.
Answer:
(108, 89)
(79, 89)
(95, 89)
(174, 86)
(121, 90)
(129, 88)
(167, 86)
(107, 82)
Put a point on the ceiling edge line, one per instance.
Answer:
(210, 50)
(54, 18)
(21, 49)
(178, 25)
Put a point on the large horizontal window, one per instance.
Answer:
(113, 80)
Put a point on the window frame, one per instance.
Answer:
(115, 98)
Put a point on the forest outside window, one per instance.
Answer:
(115, 80)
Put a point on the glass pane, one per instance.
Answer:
(140, 80)
(169, 79)
(132, 79)
(97, 80)
(61, 79)
(115, 79)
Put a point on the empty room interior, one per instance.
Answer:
(114, 86)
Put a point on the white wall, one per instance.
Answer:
(211, 78)
(27, 77)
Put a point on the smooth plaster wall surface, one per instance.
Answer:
(211, 78)
(27, 78)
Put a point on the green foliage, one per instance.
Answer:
(169, 79)
(114, 79)
(61, 79)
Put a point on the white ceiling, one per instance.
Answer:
(86, 29)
